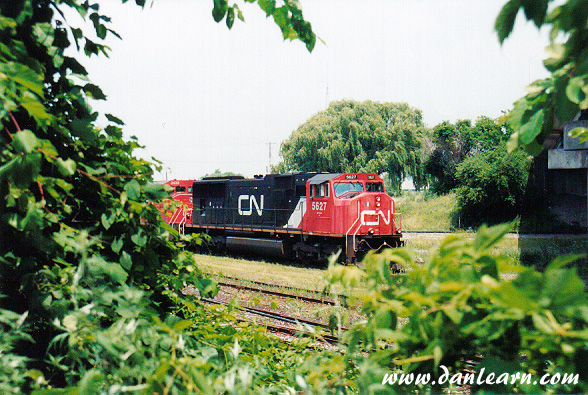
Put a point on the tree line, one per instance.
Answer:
(465, 157)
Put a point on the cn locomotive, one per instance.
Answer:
(295, 215)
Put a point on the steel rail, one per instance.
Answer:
(276, 316)
(278, 293)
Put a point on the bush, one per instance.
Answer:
(464, 303)
(492, 186)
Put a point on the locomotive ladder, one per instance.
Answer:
(181, 225)
(350, 239)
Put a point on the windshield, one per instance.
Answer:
(348, 189)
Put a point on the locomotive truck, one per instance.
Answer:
(294, 215)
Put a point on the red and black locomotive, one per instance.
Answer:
(296, 215)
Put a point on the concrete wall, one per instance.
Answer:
(566, 179)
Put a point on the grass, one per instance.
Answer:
(425, 245)
(281, 274)
(536, 250)
(424, 212)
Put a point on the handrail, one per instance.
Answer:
(351, 227)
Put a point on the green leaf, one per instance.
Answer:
(488, 237)
(385, 319)
(133, 189)
(534, 148)
(108, 220)
(94, 92)
(230, 17)
(566, 109)
(125, 260)
(114, 119)
(7, 168)
(579, 133)
(117, 245)
(66, 167)
(26, 169)
(281, 18)
(268, 6)
(562, 261)
(556, 54)
(513, 142)
(563, 287)
(506, 19)
(532, 128)
(219, 10)
(25, 142)
(24, 76)
(155, 192)
(92, 382)
(181, 325)
(82, 128)
(113, 131)
(575, 90)
(535, 10)
(99, 267)
(140, 238)
(542, 323)
(37, 110)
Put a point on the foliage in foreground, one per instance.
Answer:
(466, 302)
(114, 341)
(89, 275)
(561, 96)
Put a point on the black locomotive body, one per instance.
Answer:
(297, 215)
(265, 202)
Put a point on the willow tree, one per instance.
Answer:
(352, 136)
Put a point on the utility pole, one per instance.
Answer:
(269, 166)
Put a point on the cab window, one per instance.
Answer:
(374, 187)
(348, 189)
(320, 190)
(180, 189)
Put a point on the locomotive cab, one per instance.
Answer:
(355, 206)
(182, 213)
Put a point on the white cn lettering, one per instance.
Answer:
(378, 214)
(252, 202)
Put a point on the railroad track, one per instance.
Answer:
(326, 336)
(259, 287)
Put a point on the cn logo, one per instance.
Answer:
(252, 202)
(377, 214)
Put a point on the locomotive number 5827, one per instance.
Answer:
(319, 206)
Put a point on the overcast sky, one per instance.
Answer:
(202, 97)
